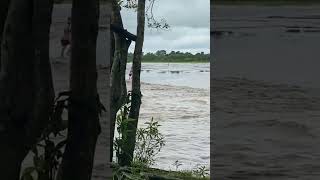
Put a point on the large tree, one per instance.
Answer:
(118, 70)
(4, 5)
(121, 40)
(121, 44)
(83, 120)
(136, 90)
(26, 89)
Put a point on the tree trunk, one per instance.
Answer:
(136, 92)
(16, 88)
(44, 91)
(4, 6)
(24, 48)
(118, 70)
(83, 123)
(43, 82)
(10, 163)
(109, 51)
(112, 47)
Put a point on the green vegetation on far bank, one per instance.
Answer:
(162, 56)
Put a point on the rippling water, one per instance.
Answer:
(195, 75)
(266, 131)
(177, 95)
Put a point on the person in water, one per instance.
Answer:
(66, 38)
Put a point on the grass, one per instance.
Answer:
(153, 173)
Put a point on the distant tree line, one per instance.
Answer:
(173, 56)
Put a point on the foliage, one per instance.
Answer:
(130, 4)
(127, 173)
(122, 121)
(173, 56)
(149, 140)
(201, 171)
(198, 171)
(152, 22)
(148, 143)
(137, 173)
(47, 154)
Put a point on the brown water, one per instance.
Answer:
(266, 128)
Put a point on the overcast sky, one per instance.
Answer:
(189, 22)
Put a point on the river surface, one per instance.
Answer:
(194, 75)
(266, 92)
(177, 95)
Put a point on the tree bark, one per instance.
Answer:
(112, 48)
(24, 47)
(118, 70)
(83, 123)
(44, 90)
(10, 163)
(16, 88)
(43, 81)
(109, 52)
(136, 92)
(4, 6)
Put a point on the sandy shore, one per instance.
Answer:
(266, 98)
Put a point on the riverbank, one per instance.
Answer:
(159, 174)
